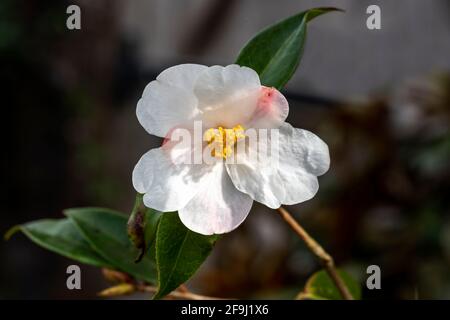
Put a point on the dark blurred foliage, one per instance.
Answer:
(69, 133)
(54, 88)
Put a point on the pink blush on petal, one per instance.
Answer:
(266, 99)
(271, 110)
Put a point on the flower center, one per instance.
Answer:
(222, 141)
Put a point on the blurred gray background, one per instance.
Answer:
(413, 38)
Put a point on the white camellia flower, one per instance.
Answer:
(216, 197)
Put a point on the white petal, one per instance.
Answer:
(259, 180)
(218, 207)
(143, 172)
(292, 177)
(169, 101)
(182, 76)
(168, 184)
(304, 147)
(217, 83)
(271, 110)
(227, 96)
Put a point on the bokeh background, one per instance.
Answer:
(380, 99)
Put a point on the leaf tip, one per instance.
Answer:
(140, 256)
(315, 12)
(326, 9)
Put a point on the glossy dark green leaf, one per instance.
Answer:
(275, 52)
(106, 232)
(320, 287)
(179, 253)
(152, 218)
(62, 237)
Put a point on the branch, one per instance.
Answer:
(182, 294)
(325, 259)
(127, 285)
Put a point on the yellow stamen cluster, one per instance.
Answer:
(222, 141)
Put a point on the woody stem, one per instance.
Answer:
(325, 259)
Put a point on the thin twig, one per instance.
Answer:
(186, 295)
(325, 259)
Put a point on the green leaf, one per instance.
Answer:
(320, 287)
(62, 237)
(275, 52)
(179, 253)
(152, 218)
(106, 232)
(142, 226)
